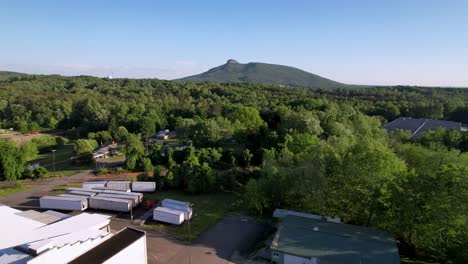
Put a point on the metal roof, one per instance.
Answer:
(176, 202)
(17, 230)
(334, 243)
(169, 210)
(417, 126)
(38, 216)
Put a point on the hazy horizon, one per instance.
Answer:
(364, 42)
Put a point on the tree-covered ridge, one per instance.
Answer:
(255, 72)
(319, 151)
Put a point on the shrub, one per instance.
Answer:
(39, 172)
(103, 170)
(45, 143)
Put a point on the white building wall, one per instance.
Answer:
(291, 259)
(134, 253)
(68, 252)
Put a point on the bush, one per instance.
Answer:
(119, 170)
(103, 170)
(39, 172)
(61, 140)
(45, 143)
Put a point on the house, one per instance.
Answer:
(301, 240)
(51, 237)
(417, 126)
(108, 149)
(35, 165)
(163, 134)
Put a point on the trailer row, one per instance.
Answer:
(126, 186)
(80, 199)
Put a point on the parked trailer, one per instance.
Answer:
(73, 195)
(82, 193)
(118, 185)
(111, 204)
(178, 205)
(168, 215)
(140, 186)
(133, 199)
(94, 184)
(70, 189)
(102, 189)
(64, 203)
(139, 195)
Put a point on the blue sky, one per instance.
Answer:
(361, 41)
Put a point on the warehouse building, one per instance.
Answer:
(51, 237)
(305, 240)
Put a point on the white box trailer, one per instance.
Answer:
(141, 186)
(94, 184)
(118, 185)
(133, 199)
(73, 195)
(64, 203)
(102, 189)
(139, 195)
(82, 193)
(72, 189)
(168, 215)
(178, 205)
(111, 204)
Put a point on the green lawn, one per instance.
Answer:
(207, 209)
(4, 191)
(63, 165)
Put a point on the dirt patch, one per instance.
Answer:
(22, 138)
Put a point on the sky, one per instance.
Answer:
(375, 42)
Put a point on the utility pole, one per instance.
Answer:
(190, 242)
(53, 157)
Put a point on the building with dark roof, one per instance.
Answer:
(418, 126)
(308, 240)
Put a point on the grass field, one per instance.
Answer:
(207, 209)
(63, 165)
(4, 191)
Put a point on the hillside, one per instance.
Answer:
(255, 72)
(8, 74)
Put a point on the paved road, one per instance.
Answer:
(229, 236)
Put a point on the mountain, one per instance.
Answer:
(255, 72)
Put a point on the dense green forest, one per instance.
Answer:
(318, 151)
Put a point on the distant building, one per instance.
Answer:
(418, 126)
(303, 239)
(50, 237)
(110, 148)
(165, 134)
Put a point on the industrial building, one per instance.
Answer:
(51, 237)
(304, 239)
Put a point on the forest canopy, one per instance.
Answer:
(312, 150)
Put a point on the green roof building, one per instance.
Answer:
(301, 240)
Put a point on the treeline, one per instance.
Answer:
(15, 159)
(318, 151)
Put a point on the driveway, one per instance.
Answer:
(229, 236)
